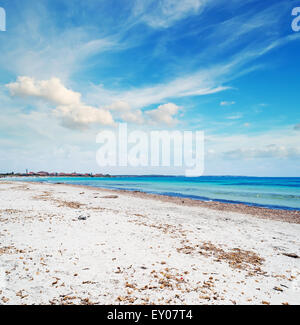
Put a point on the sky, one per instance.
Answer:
(70, 69)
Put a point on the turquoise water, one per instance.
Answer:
(268, 192)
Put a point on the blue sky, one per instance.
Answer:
(69, 69)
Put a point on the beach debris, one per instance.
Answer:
(83, 218)
(21, 295)
(139, 215)
(284, 286)
(86, 301)
(10, 250)
(278, 289)
(55, 282)
(110, 197)
(236, 258)
(46, 196)
(72, 205)
(5, 300)
(293, 255)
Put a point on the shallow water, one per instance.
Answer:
(261, 191)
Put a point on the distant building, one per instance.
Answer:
(98, 175)
(42, 173)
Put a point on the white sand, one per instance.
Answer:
(138, 250)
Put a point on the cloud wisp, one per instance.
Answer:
(164, 13)
(269, 151)
(225, 103)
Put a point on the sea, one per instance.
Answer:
(270, 192)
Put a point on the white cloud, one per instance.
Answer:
(124, 111)
(234, 117)
(133, 117)
(70, 108)
(164, 13)
(76, 114)
(82, 115)
(164, 114)
(227, 103)
(120, 106)
(51, 90)
(269, 151)
(275, 144)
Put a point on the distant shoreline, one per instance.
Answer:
(53, 176)
(290, 216)
(201, 199)
(146, 175)
(191, 200)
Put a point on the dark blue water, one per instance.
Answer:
(281, 193)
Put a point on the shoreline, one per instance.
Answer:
(290, 216)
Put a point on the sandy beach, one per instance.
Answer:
(63, 244)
